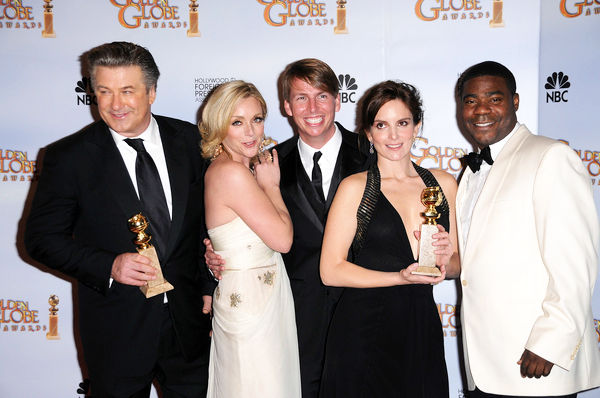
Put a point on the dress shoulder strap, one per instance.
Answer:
(366, 209)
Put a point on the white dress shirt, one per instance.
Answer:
(475, 183)
(328, 158)
(153, 145)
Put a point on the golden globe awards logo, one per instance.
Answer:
(448, 318)
(298, 13)
(17, 14)
(591, 160)
(573, 8)
(15, 166)
(17, 316)
(148, 14)
(437, 157)
(460, 10)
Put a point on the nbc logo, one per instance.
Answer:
(348, 88)
(558, 84)
(597, 326)
(84, 86)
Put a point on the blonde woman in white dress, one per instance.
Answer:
(254, 350)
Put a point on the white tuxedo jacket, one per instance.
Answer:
(529, 266)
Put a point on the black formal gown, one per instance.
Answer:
(385, 342)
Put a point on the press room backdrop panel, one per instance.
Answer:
(45, 96)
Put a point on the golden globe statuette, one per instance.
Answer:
(193, 30)
(430, 197)
(53, 319)
(496, 21)
(138, 225)
(48, 20)
(341, 18)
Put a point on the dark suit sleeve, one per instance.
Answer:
(50, 225)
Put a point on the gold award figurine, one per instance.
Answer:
(53, 319)
(341, 28)
(138, 225)
(430, 197)
(193, 30)
(48, 20)
(497, 21)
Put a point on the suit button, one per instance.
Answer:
(464, 283)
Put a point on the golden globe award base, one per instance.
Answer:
(430, 197)
(53, 319)
(496, 21)
(48, 20)
(193, 30)
(137, 225)
(340, 28)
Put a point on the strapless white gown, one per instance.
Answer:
(254, 351)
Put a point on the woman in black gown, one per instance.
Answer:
(385, 339)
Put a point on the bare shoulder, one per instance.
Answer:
(354, 182)
(227, 174)
(351, 189)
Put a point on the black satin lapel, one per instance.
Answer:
(336, 178)
(291, 188)
(350, 160)
(103, 150)
(309, 193)
(179, 179)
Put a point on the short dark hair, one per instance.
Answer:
(486, 68)
(122, 53)
(313, 71)
(378, 95)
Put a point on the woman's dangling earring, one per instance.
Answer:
(262, 145)
(371, 150)
(218, 150)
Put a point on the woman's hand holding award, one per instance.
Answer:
(430, 197)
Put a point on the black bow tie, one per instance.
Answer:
(474, 160)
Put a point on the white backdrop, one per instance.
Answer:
(424, 42)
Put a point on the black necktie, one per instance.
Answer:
(317, 177)
(474, 160)
(151, 193)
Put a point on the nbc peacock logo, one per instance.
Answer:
(597, 327)
(85, 94)
(348, 87)
(557, 84)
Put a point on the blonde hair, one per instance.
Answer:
(218, 110)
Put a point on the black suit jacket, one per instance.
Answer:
(314, 302)
(78, 225)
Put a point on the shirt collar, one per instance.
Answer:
(150, 135)
(497, 147)
(329, 150)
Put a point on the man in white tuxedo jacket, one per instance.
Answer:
(528, 233)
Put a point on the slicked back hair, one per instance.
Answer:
(122, 53)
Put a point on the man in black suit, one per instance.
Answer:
(310, 91)
(91, 183)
